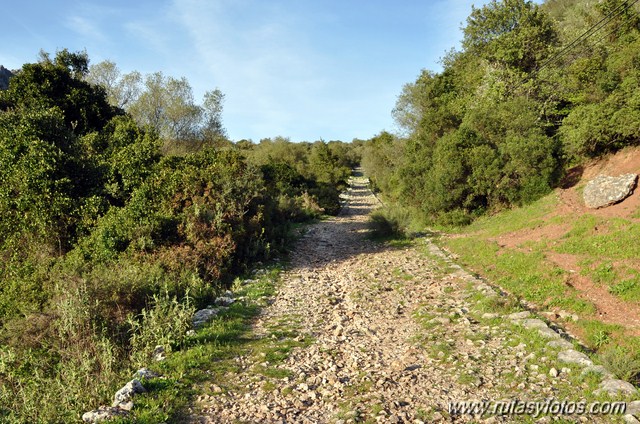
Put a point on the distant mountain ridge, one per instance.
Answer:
(5, 75)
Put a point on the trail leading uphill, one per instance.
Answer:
(390, 334)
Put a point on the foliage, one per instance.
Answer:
(164, 104)
(56, 83)
(108, 243)
(164, 324)
(305, 176)
(380, 160)
(389, 222)
(499, 124)
(622, 362)
(122, 90)
(512, 33)
(37, 190)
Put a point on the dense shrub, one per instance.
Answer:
(309, 175)
(512, 110)
(107, 245)
(390, 222)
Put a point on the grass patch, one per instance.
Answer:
(599, 334)
(528, 216)
(604, 247)
(613, 238)
(400, 274)
(628, 290)
(604, 273)
(525, 275)
(210, 355)
(624, 363)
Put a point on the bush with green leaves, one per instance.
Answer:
(101, 234)
(165, 323)
(305, 176)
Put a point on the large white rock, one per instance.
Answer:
(203, 316)
(128, 391)
(613, 387)
(604, 190)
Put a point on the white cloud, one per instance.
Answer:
(149, 34)
(85, 27)
(258, 56)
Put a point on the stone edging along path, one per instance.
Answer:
(558, 338)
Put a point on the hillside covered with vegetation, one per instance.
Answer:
(124, 207)
(498, 147)
(534, 90)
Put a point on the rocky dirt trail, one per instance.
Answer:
(395, 335)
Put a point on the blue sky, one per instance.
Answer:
(304, 69)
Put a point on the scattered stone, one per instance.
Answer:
(571, 356)
(519, 315)
(146, 373)
(159, 353)
(441, 320)
(630, 419)
(605, 190)
(358, 341)
(104, 413)
(568, 316)
(548, 333)
(224, 301)
(126, 393)
(560, 344)
(614, 387)
(633, 407)
(203, 316)
(127, 406)
(597, 369)
(533, 323)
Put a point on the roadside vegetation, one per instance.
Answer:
(526, 270)
(535, 92)
(513, 109)
(116, 226)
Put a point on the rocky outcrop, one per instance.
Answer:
(5, 76)
(203, 316)
(604, 190)
(613, 387)
(104, 413)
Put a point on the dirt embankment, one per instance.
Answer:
(569, 209)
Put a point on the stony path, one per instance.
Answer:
(395, 337)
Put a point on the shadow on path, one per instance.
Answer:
(344, 236)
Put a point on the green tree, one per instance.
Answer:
(36, 194)
(122, 90)
(513, 33)
(59, 83)
(212, 106)
(166, 104)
